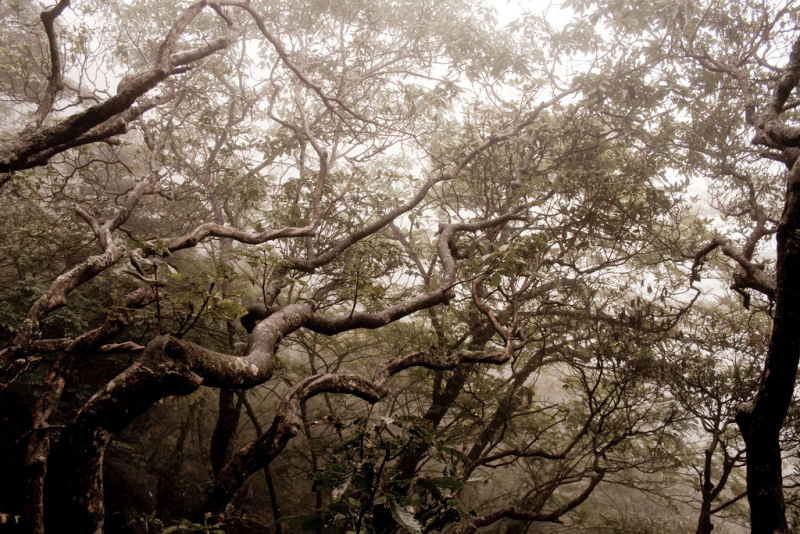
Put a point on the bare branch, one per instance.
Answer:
(550, 517)
(55, 82)
(439, 295)
(430, 360)
(728, 503)
(65, 283)
(476, 299)
(35, 148)
(56, 296)
(748, 274)
(287, 421)
(218, 230)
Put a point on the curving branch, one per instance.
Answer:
(476, 299)
(310, 265)
(769, 121)
(39, 441)
(285, 425)
(287, 421)
(439, 295)
(105, 132)
(206, 230)
(548, 517)
(284, 55)
(437, 362)
(168, 366)
(258, 364)
(172, 366)
(109, 118)
(56, 295)
(75, 465)
(748, 275)
(55, 81)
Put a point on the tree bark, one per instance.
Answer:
(227, 422)
(110, 117)
(39, 443)
(704, 525)
(761, 422)
(761, 426)
(168, 366)
(285, 426)
(273, 499)
(74, 490)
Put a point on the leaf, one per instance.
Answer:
(405, 517)
(448, 482)
(337, 493)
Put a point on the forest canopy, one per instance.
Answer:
(399, 266)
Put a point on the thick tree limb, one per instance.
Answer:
(76, 461)
(35, 148)
(104, 132)
(287, 421)
(770, 122)
(55, 81)
(168, 366)
(750, 275)
(38, 448)
(762, 422)
(173, 366)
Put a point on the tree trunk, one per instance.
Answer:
(442, 401)
(273, 499)
(704, 525)
(74, 487)
(39, 444)
(225, 429)
(406, 465)
(761, 425)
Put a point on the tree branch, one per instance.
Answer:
(287, 421)
(748, 274)
(55, 82)
(439, 295)
(31, 149)
(550, 517)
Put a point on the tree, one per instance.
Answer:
(713, 369)
(385, 193)
(311, 138)
(729, 82)
(764, 107)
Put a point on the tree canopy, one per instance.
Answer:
(396, 266)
